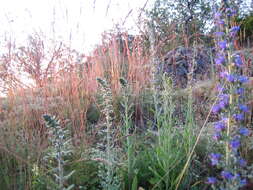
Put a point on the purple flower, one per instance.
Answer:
(219, 126)
(219, 34)
(222, 44)
(239, 117)
(216, 109)
(235, 143)
(238, 61)
(223, 74)
(243, 108)
(217, 15)
(220, 88)
(215, 157)
(216, 136)
(231, 78)
(234, 30)
(220, 60)
(227, 175)
(242, 79)
(240, 91)
(244, 131)
(211, 180)
(242, 162)
(243, 182)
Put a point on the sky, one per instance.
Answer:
(78, 23)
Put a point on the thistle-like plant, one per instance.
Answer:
(107, 150)
(60, 147)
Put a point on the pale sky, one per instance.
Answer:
(85, 20)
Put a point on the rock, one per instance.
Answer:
(178, 64)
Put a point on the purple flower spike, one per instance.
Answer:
(235, 144)
(222, 44)
(211, 180)
(244, 131)
(227, 175)
(215, 157)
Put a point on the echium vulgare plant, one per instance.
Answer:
(60, 147)
(107, 149)
(230, 106)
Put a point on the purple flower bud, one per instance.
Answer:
(211, 180)
(244, 131)
(235, 143)
(227, 175)
(215, 157)
(216, 136)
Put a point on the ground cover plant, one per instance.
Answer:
(171, 109)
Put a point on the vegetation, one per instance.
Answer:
(120, 118)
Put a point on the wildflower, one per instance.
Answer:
(222, 44)
(224, 74)
(227, 175)
(220, 60)
(231, 78)
(235, 144)
(215, 157)
(238, 61)
(216, 136)
(219, 126)
(242, 79)
(243, 108)
(216, 108)
(238, 117)
(211, 180)
(242, 162)
(244, 131)
(219, 34)
(234, 30)
(240, 91)
(243, 182)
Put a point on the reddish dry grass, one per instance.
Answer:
(65, 87)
